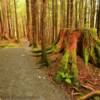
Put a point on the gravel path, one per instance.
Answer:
(21, 80)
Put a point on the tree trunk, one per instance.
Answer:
(8, 18)
(81, 14)
(53, 21)
(34, 20)
(76, 14)
(85, 14)
(70, 14)
(5, 34)
(16, 19)
(28, 18)
(98, 18)
(92, 17)
(62, 12)
(43, 27)
(1, 26)
(56, 19)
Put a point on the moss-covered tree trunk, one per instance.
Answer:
(43, 27)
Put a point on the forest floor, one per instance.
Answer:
(89, 77)
(22, 79)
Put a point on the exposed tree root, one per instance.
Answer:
(37, 53)
(88, 87)
(89, 95)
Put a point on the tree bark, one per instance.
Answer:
(98, 18)
(34, 20)
(43, 27)
(16, 19)
(81, 14)
(92, 17)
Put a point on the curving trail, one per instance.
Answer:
(20, 78)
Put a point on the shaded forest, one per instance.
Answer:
(67, 31)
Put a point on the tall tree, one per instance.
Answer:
(8, 18)
(93, 11)
(28, 17)
(53, 21)
(43, 27)
(76, 13)
(16, 19)
(1, 25)
(81, 13)
(4, 14)
(98, 17)
(62, 12)
(85, 14)
(34, 20)
(70, 14)
(56, 18)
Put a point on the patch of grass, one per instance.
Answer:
(9, 45)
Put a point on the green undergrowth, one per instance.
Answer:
(68, 72)
(52, 48)
(91, 46)
(38, 52)
(9, 45)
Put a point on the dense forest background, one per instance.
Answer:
(20, 18)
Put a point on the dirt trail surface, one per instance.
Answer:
(20, 78)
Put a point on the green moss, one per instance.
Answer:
(68, 73)
(86, 55)
(93, 32)
(51, 49)
(8, 46)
